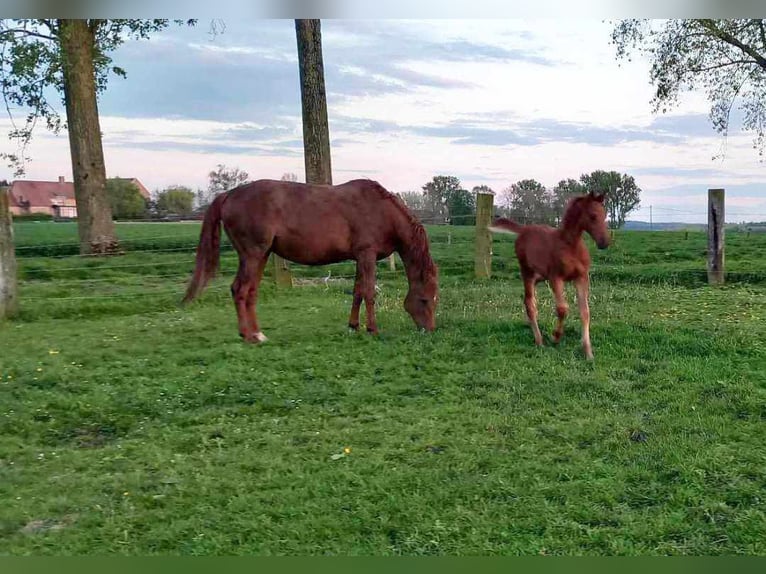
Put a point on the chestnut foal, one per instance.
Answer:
(559, 255)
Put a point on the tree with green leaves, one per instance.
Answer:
(622, 193)
(125, 200)
(446, 199)
(72, 57)
(562, 193)
(528, 201)
(726, 58)
(414, 200)
(221, 179)
(175, 200)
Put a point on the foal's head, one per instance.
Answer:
(587, 213)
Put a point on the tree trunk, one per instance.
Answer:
(316, 132)
(8, 286)
(94, 216)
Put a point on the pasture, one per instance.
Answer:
(130, 425)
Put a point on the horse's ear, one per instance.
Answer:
(598, 196)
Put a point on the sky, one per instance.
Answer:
(490, 101)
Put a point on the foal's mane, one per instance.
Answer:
(419, 247)
(574, 208)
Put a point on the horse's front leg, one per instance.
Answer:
(353, 319)
(583, 288)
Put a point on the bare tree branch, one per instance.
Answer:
(23, 32)
(729, 39)
(722, 65)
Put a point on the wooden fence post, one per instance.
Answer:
(9, 301)
(282, 274)
(392, 262)
(484, 209)
(715, 236)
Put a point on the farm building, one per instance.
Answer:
(55, 198)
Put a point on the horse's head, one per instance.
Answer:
(593, 218)
(421, 300)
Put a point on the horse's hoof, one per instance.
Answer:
(353, 328)
(372, 331)
(255, 338)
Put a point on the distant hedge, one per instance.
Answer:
(33, 217)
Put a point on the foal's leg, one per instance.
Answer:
(244, 291)
(583, 288)
(531, 304)
(562, 309)
(353, 319)
(366, 265)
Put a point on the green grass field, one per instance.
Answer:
(130, 425)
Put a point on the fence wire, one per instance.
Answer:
(38, 272)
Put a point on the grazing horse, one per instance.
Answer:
(559, 255)
(316, 225)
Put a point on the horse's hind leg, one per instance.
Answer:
(353, 319)
(562, 309)
(583, 287)
(531, 305)
(244, 291)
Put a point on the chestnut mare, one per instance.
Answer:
(316, 225)
(559, 255)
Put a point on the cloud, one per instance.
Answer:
(680, 172)
(689, 125)
(379, 41)
(289, 150)
(250, 72)
(488, 131)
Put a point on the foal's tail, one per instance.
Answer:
(503, 225)
(207, 250)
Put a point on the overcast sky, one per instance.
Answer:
(490, 101)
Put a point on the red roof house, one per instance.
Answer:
(54, 198)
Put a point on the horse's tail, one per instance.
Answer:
(503, 225)
(207, 251)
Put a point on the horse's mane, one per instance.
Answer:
(419, 248)
(573, 210)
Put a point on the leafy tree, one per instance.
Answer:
(446, 198)
(415, 200)
(726, 58)
(221, 179)
(462, 207)
(289, 176)
(72, 57)
(435, 195)
(176, 200)
(125, 200)
(528, 201)
(622, 193)
(564, 190)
